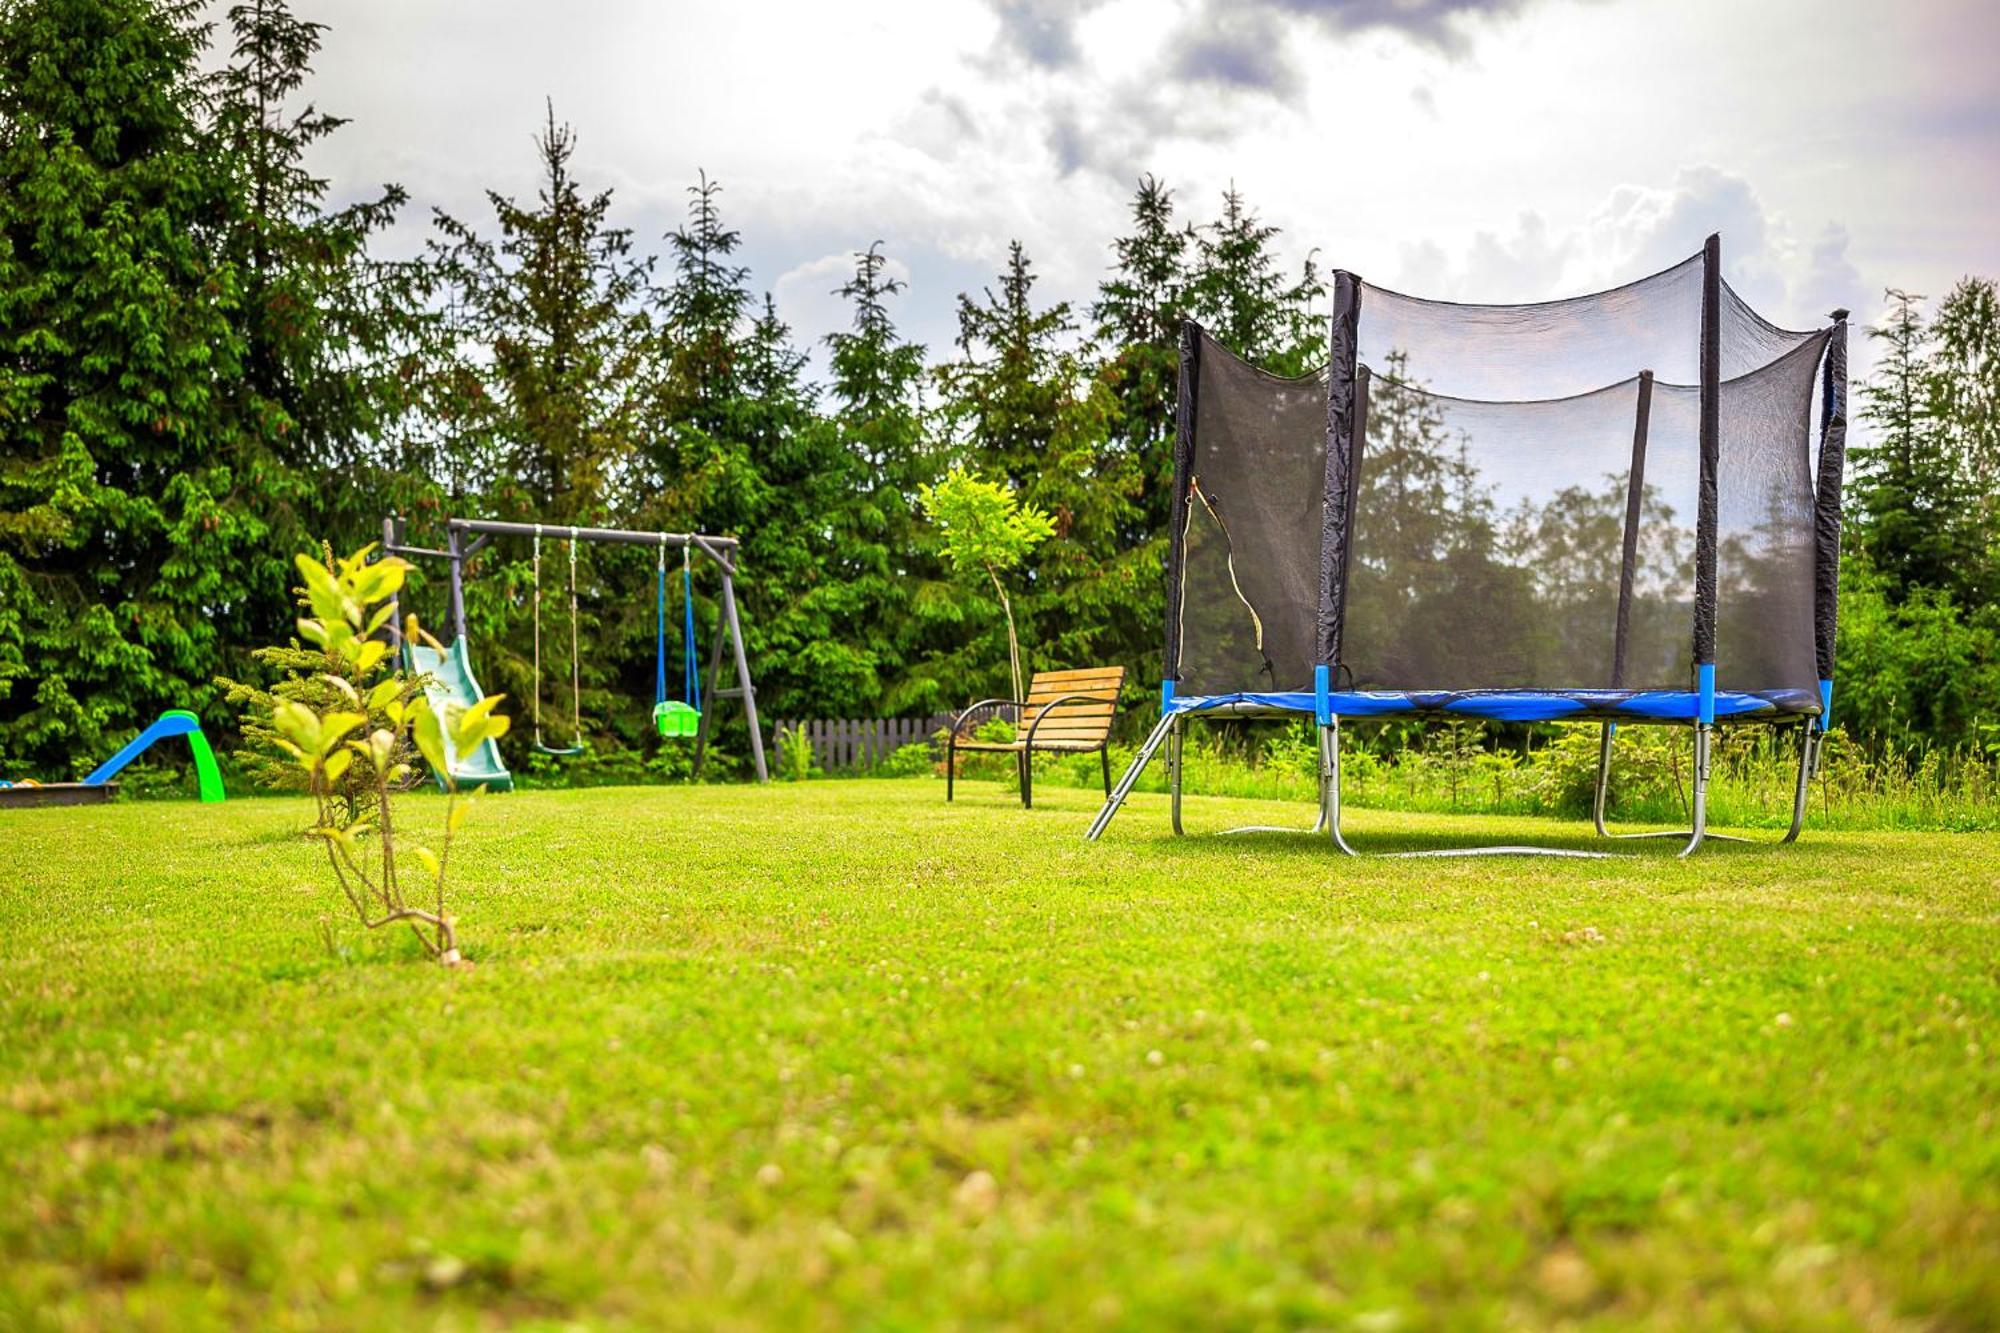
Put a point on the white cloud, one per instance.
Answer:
(1485, 151)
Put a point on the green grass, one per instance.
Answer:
(736, 1057)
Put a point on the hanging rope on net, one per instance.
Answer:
(675, 718)
(575, 671)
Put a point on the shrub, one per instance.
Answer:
(322, 681)
(334, 732)
(916, 759)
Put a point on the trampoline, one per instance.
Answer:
(1619, 509)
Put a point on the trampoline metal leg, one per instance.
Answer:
(1701, 768)
(1809, 744)
(1330, 767)
(1131, 776)
(1603, 779)
(1329, 780)
(1698, 832)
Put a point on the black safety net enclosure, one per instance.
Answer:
(1622, 507)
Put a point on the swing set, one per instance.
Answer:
(674, 719)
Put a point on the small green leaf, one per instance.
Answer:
(335, 725)
(342, 685)
(457, 814)
(297, 724)
(337, 764)
(429, 860)
(371, 652)
(323, 590)
(383, 694)
(470, 727)
(430, 742)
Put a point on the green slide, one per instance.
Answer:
(448, 683)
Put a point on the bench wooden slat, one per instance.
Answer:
(1082, 673)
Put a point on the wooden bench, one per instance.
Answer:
(1066, 712)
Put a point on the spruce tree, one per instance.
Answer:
(546, 399)
(1138, 313)
(1962, 391)
(894, 570)
(1020, 401)
(818, 655)
(740, 448)
(697, 469)
(1911, 507)
(555, 341)
(332, 334)
(131, 532)
(1244, 300)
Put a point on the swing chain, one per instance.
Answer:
(575, 666)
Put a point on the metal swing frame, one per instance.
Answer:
(466, 537)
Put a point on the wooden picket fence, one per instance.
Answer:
(857, 744)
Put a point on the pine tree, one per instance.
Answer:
(546, 398)
(895, 572)
(130, 529)
(1247, 304)
(1138, 313)
(556, 339)
(1021, 402)
(1962, 391)
(1911, 507)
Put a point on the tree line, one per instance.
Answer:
(206, 366)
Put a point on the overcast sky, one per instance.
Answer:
(1489, 150)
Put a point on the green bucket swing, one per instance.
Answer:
(675, 718)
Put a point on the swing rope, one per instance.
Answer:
(575, 663)
(538, 637)
(693, 671)
(678, 718)
(660, 629)
(575, 670)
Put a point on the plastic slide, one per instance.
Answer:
(174, 722)
(448, 684)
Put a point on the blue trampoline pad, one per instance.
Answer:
(1515, 705)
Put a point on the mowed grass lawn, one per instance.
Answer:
(836, 1055)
